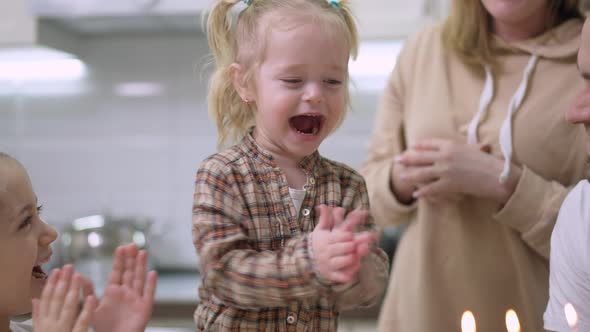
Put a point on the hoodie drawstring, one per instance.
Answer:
(506, 129)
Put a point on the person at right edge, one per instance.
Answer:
(472, 152)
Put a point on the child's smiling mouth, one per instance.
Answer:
(37, 271)
(307, 124)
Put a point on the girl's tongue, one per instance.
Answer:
(307, 124)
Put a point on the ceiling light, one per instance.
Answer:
(39, 64)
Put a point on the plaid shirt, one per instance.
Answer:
(255, 264)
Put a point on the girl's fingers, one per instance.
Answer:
(128, 272)
(326, 220)
(341, 262)
(116, 275)
(342, 248)
(69, 311)
(60, 292)
(354, 219)
(48, 289)
(362, 249)
(368, 237)
(338, 214)
(338, 236)
(85, 317)
(150, 290)
(140, 271)
(352, 269)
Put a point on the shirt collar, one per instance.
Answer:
(255, 151)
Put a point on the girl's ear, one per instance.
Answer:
(238, 77)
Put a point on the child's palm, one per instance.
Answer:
(122, 309)
(126, 305)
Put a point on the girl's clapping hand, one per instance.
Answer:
(58, 308)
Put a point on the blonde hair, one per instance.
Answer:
(244, 44)
(6, 159)
(466, 31)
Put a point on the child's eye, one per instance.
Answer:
(292, 81)
(333, 82)
(29, 219)
(26, 223)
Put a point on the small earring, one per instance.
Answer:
(248, 102)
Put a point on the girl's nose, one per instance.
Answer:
(313, 93)
(48, 234)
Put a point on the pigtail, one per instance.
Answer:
(345, 9)
(232, 116)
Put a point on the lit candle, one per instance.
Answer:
(512, 323)
(572, 317)
(468, 322)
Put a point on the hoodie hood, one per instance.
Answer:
(561, 42)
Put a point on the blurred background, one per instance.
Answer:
(104, 103)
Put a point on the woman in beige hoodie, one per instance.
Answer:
(472, 152)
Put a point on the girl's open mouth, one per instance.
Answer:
(307, 124)
(38, 272)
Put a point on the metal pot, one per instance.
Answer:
(90, 242)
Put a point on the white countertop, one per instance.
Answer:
(178, 288)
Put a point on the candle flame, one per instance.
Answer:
(512, 323)
(468, 322)
(571, 315)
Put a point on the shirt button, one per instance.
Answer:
(291, 318)
(306, 212)
(312, 180)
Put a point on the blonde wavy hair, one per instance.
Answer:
(244, 43)
(466, 30)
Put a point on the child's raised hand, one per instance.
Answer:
(57, 310)
(334, 248)
(363, 240)
(350, 222)
(127, 303)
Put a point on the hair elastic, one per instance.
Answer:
(334, 3)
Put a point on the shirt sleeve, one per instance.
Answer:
(532, 209)
(231, 268)
(568, 279)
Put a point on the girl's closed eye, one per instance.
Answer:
(28, 221)
(292, 81)
(333, 82)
